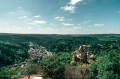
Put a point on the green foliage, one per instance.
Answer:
(11, 53)
(103, 48)
(30, 69)
(70, 44)
(65, 57)
(52, 67)
(7, 74)
(106, 67)
(54, 43)
(58, 43)
(74, 64)
(13, 49)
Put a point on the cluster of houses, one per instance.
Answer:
(37, 52)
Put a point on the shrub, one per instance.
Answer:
(75, 72)
(7, 74)
(52, 67)
(30, 69)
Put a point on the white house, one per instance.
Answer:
(38, 78)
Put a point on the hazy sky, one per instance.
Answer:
(60, 16)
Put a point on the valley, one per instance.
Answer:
(52, 56)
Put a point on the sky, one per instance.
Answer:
(60, 16)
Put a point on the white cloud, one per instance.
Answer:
(67, 24)
(59, 18)
(29, 19)
(14, 29)
(37, 16)
(19, 12)
(89, 26)
(20, 8)
(98, 25)
(62, 19)
(119, 11)
(11, 13)
(22, 17)
(62, 30)
(29, 28)
(86, 22)
(74, 2)
(77, 28)
(70, 8)
(38, 22)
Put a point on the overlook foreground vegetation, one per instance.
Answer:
(61, 64)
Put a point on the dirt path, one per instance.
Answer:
(31, 76)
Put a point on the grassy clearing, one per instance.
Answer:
(108, 39)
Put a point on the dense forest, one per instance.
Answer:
(59, 43)
(105, 48)
(11, 53)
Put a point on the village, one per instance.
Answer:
(35, 52)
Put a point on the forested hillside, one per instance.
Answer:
(62, 59)
(11, 53)
(58, 43)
